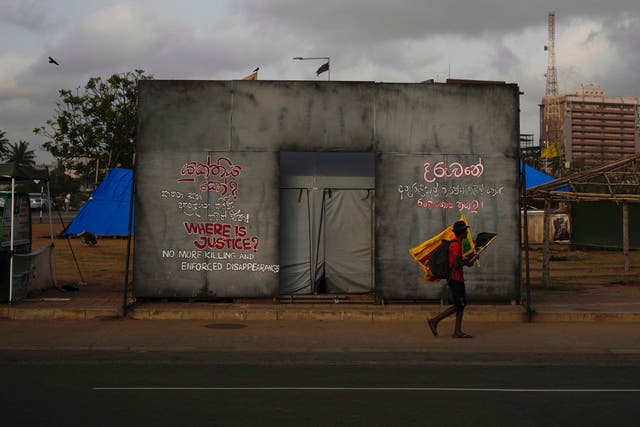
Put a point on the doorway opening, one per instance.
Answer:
(326, 223)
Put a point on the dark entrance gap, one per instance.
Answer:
(326, 222)
(327, 164)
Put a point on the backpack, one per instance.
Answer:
(439, 261)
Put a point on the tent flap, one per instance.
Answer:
(295, 248)
(348, 239)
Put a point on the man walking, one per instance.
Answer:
(456, 283)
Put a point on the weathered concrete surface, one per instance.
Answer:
(442, 150)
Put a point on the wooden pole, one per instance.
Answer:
(625, 236)
(132, 199)
(545, 243)
(523, 190)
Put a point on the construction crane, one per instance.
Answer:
(552, 117)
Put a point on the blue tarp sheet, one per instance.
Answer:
(535, 177)
(107, 211)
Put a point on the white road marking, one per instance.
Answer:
(411, 389)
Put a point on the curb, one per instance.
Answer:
(17, 313)
(588, 317)
(329, 313)
(343, 313)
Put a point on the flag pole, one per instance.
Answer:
(327, 58)
(13, 214)
(525, 234)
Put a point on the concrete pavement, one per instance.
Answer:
(619, 304)
(543, 342)
(599, 323)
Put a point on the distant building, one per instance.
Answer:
(596, 129)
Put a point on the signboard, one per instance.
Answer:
(22, 222)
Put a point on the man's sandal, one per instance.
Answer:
(433, 327)
(462, 335)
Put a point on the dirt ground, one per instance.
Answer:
(572, 267)
(103, 265)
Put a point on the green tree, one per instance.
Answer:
(531, 156)
(96, 124)
(4, 145)
(61, 183)
(20, 154)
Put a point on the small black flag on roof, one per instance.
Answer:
(324, 67)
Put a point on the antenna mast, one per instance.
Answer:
(552, 128)
(552, 77)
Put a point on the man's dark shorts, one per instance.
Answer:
(458, 293)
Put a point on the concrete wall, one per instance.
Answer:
(201, 141)
(425, 133)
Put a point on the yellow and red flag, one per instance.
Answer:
(424, 250)
(550, 152)
(252, 76)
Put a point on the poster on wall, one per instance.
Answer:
(561, 229)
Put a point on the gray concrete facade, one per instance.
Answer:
(208, 221)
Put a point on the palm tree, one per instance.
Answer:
(20, 154)
(4, 142)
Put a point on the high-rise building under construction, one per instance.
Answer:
(595, 128)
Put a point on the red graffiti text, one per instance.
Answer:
(471, 205)
(220, 236)
(223, 169)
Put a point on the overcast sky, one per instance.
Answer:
(597, 42)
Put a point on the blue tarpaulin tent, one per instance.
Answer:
(535, 177)
(107, 211)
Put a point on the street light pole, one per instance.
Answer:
(326, 58)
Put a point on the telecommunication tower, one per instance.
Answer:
(552, 119)
(552, 77)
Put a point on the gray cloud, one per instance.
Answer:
(504, 60)
(406, 41)
(623, 77)
(31, 15)
(374, 20)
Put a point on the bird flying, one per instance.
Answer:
(53, 61)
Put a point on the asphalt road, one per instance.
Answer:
(286, 389)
